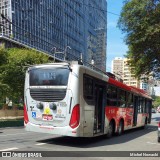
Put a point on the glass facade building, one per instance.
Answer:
(52, 25)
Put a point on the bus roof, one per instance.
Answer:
(129, 88)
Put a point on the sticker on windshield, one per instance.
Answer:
(34, 114)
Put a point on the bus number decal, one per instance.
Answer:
(111, 111)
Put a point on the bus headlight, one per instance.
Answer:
(40, 106)
(53, 106)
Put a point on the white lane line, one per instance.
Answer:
(11, 134)
(40, 144)
(153, 143)
(8, 149)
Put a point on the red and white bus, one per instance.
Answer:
(73, 100)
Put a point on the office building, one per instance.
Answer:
(100, 56)
(117, 67)
(128, 77)
(52, 25)
(122, 70)
(148, 83)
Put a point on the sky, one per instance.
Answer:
(116, 46)
(115, 39)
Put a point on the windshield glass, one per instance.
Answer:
(49, 77)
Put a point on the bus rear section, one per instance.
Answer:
(50, 106)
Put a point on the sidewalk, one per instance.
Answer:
(11, 118)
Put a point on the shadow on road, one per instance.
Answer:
(157, 119)
(101, 140)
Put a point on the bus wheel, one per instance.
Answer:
(158, 139)
(110, 130)
(120, 128)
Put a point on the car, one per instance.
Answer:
(159, 131)
(153, 110)
(158, 109)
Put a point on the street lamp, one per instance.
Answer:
(81, 58)
(65, 52)
(92, 63)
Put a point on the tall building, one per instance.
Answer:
(52, 25)
(117, 67)
(122, 70)
(148, 83)
(128, 77)
(100, 55)
(96, 32)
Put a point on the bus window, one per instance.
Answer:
(88, 90)
(111, 95)
(147, 106)
(141, 106)
(129, 99)
(121, 98)
(49, 77)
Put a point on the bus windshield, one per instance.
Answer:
(49, 77)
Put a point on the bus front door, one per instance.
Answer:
(135, 110)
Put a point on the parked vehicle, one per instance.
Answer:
(153, 110)
(158, 109)
(159, 131)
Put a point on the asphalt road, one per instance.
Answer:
(17, 139)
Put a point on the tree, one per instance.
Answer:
(156, 101)
(4, 88)
(3, 55)
(140, 20)
(13, 73)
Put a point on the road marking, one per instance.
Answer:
(8, 149)
(40, 144)
(153, 143)
(11, 134)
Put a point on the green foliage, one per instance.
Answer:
(13, 73)
(3, 55)
(140, 21)
(156, 101)
(4, 88)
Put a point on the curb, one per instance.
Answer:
(11, 123)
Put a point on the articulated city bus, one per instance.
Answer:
(73, 100)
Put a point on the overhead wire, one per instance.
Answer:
(99, 9)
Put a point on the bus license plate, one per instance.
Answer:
(47, 117)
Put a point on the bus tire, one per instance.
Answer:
(120, 128)
(110, 130)
(158, 139)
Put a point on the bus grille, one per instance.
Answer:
(48, 95)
